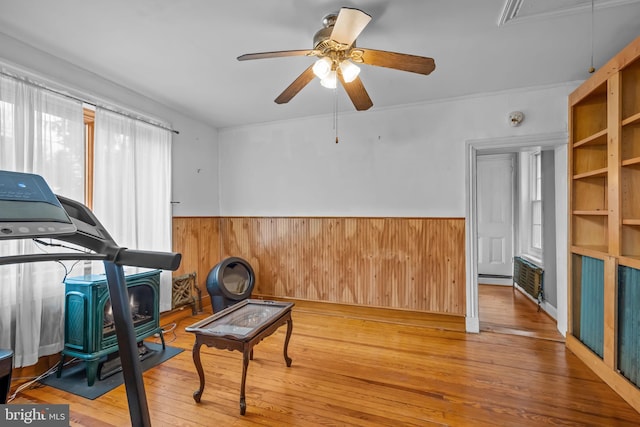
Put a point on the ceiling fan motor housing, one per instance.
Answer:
(321, 38)
(322, 41)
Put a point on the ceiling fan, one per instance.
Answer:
(335, 46)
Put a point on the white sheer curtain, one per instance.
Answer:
(42, 133)
(132, 186)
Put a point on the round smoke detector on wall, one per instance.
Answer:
(515, 118)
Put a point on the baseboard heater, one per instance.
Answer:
(529, 277)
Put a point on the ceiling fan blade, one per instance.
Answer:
(349, 25)
(276, 54)
(295, 87)
(398, 61)
(357, 93)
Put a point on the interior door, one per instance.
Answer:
(495, 214)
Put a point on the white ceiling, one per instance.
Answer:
(182, 53)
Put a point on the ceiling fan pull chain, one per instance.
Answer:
(335, 112)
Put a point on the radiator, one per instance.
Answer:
(529, 277)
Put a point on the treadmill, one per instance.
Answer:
(30, 210)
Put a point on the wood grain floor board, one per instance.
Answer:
(362, 372)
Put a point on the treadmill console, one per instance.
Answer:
(28, 208)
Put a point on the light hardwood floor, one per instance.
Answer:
(350, 371)
(506, 310)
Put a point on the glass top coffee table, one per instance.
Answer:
(240, 327)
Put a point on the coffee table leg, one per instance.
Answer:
(286, 342)
(245, 365)
(196, 360)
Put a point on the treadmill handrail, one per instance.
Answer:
(19, 259)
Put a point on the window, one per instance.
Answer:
(536, 201)
(40, 133)
(50, 134)
(132, 185)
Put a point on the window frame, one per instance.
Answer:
(89, 134)
(535, 202)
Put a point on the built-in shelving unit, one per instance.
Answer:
(604, 218)
(630, 159)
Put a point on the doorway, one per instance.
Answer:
(502, 146)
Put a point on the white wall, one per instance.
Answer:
(195, 170)
(194, 156)
(549, 255)
(407, 162)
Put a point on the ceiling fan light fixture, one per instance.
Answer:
(330, 81)
(322, 67)
(338, 58)
(349, 70)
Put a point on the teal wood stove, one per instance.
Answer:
(89, 327)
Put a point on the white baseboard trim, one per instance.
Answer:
(501, 281)
(544, 305)
(472, 324)
(551, 310)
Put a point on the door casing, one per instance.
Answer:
(497, 146)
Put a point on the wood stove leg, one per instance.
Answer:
(196, 361)
(286, 341)
(162, 339)
(91, 368)
(245, 365)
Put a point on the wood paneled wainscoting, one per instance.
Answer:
(198, 240)
(415, 264)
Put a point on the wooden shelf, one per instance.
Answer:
(631, 221)
(596, 212)
(631, 162)
(599, 138)
(599, 252)
(630, 261)
(590, 174)
(631, 120)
